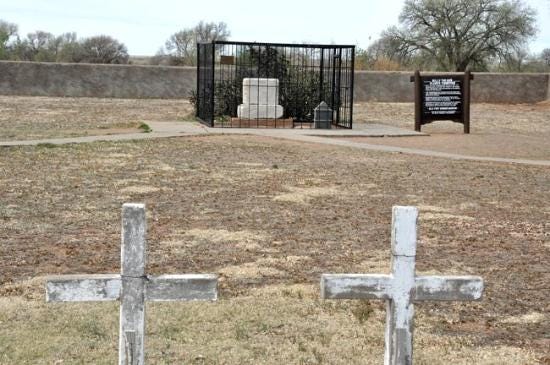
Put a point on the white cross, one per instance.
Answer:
(401, 288)
(132, 286)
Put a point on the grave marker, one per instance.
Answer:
(322, 116)
(401, 288)
(133, 287)
(260, 99)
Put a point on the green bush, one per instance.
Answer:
(299, 89)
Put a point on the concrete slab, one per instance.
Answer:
(359, 130)
(177, 129)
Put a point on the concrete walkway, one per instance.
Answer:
(178, 129)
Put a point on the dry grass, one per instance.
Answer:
(507, 119)
(304, 195)
(271, 325)
(26, 117)
(214, 205)
(509, 131)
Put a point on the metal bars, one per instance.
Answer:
(290, 79)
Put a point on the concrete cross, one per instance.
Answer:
(133, 287)
(401, 288)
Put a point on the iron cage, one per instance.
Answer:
(273, 85)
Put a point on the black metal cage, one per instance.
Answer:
(274, 85)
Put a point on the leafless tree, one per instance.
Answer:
(41, 46)
(181, 47)
(8, 31)
(457, 34)
(68, 48)
(103, 49)
(545, 56)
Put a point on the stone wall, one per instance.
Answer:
(87, 80)
(129, 81)
(512, 88)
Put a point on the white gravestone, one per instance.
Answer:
(401, 288)
(132, 287)
(260, 99)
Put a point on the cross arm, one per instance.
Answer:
(107, 287)
(182, 287)
(449, 288)
(366, 286)
(83, 288)
(355, 286)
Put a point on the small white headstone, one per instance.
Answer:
(260, 99)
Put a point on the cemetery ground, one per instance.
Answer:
(498, 130)
(508, 131)
(270, 216)
(25, 118)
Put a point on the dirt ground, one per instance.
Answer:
(269, 216)
(509, 131)
(485, 145)
(516, 119)
(25, 117)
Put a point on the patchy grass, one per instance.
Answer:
(26, 117)
(506, 119)
(304, 195)
(497, 130)
(212, 206)
(145, 128)
(47, 145)
(273, 324)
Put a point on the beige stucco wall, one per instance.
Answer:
(130, 81)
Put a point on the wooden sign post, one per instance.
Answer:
(401, 288)
(132, 287)
(442, 97)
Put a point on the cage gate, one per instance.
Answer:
(273, 85)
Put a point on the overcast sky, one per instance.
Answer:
(144, 25)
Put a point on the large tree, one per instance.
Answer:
(68, 48)
(460, 34)
(41, 46)
(103, 49)
(181, 47)
(8, 31)
(545, 56)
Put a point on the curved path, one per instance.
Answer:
(178, 129)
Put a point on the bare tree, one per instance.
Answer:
(457, 34)
(68, 48)
(103, 49)
(545, 56)
(181, 47)
(41, 46)
(209, 32)
(514, 59)
(45, 47)
(8, 31)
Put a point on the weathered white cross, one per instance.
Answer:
(132, 286)
(401, 288)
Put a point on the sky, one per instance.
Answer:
(145, 25)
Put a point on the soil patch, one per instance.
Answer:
(485, 145)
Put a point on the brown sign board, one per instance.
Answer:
(442, 97)
(227, 60)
